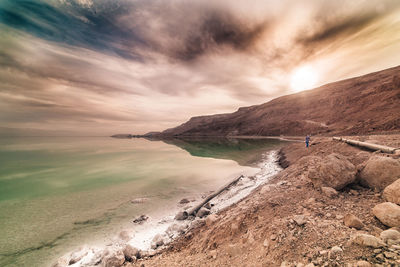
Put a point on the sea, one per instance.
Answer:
(57, 193)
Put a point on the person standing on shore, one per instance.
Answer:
(308, 140)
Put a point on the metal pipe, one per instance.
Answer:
(386, 149)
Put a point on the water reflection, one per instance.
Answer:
(246, 152)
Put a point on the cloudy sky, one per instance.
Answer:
(133, 66)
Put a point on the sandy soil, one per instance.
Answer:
(261, 230)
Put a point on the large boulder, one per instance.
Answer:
(380, 172)
(392, 192)
(388, 213)
(333, 170)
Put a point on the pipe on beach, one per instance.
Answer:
(371, 146)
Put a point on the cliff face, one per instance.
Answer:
(361, 105)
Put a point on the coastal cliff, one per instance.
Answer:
(361, 105)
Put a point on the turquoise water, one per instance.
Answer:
(58, 193)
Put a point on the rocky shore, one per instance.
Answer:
(332, 205)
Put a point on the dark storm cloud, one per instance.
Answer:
(219, 29)
(331, 30)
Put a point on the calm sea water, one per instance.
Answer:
(57, 193)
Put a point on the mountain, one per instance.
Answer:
(361, 105)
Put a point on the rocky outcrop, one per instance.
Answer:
(380, 172)
(332, 171)
(388, 213)
(392, 192)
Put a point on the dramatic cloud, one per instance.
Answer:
(104, 66)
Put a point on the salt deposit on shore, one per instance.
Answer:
(154, 234)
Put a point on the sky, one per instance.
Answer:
(87, 67)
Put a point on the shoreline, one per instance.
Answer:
(290, 221)
(154, 235)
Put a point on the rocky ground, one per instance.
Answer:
(324, 209)
(332, 205)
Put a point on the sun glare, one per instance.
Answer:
(303, 78)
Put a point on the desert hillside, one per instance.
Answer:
(361, 105)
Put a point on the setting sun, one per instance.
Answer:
(303, 78)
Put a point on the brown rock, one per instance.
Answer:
(329, 191)
(184, 201)
(202, 212)
(211, 219)
(332, 171)
(131, 253)
(114, 259)
(392, 192)
(390, 236)
(380, 172)
(352, 221)
(367, 241)
(388, 213)
(363, 264)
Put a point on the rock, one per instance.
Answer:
(310, 265)
(363, 264)
(390, 236)
(234, 250)
(211, 219)
(202, 212)
(208, 205)
(175, 229)
(61, 262)
(334, 252)
(273, 237)
(182, 215)
(266, 188)
(146, 254)
(333, 170)
(266, 243)
(392, 192)
(140, 219)
(184, 201)
(380, 172)
(213, 254)
(158, 241)
(300, 220)
(339, 216)
(389, 255)
(329, 191)
(131, 253)
(125, 235)
(114, 259)
(139, 200)
(367, 241)
(388, 213)
(352, 221)
(286, 264)
(78, 254)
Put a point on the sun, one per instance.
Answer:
(302, 78)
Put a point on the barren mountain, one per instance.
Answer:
(361, 105)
